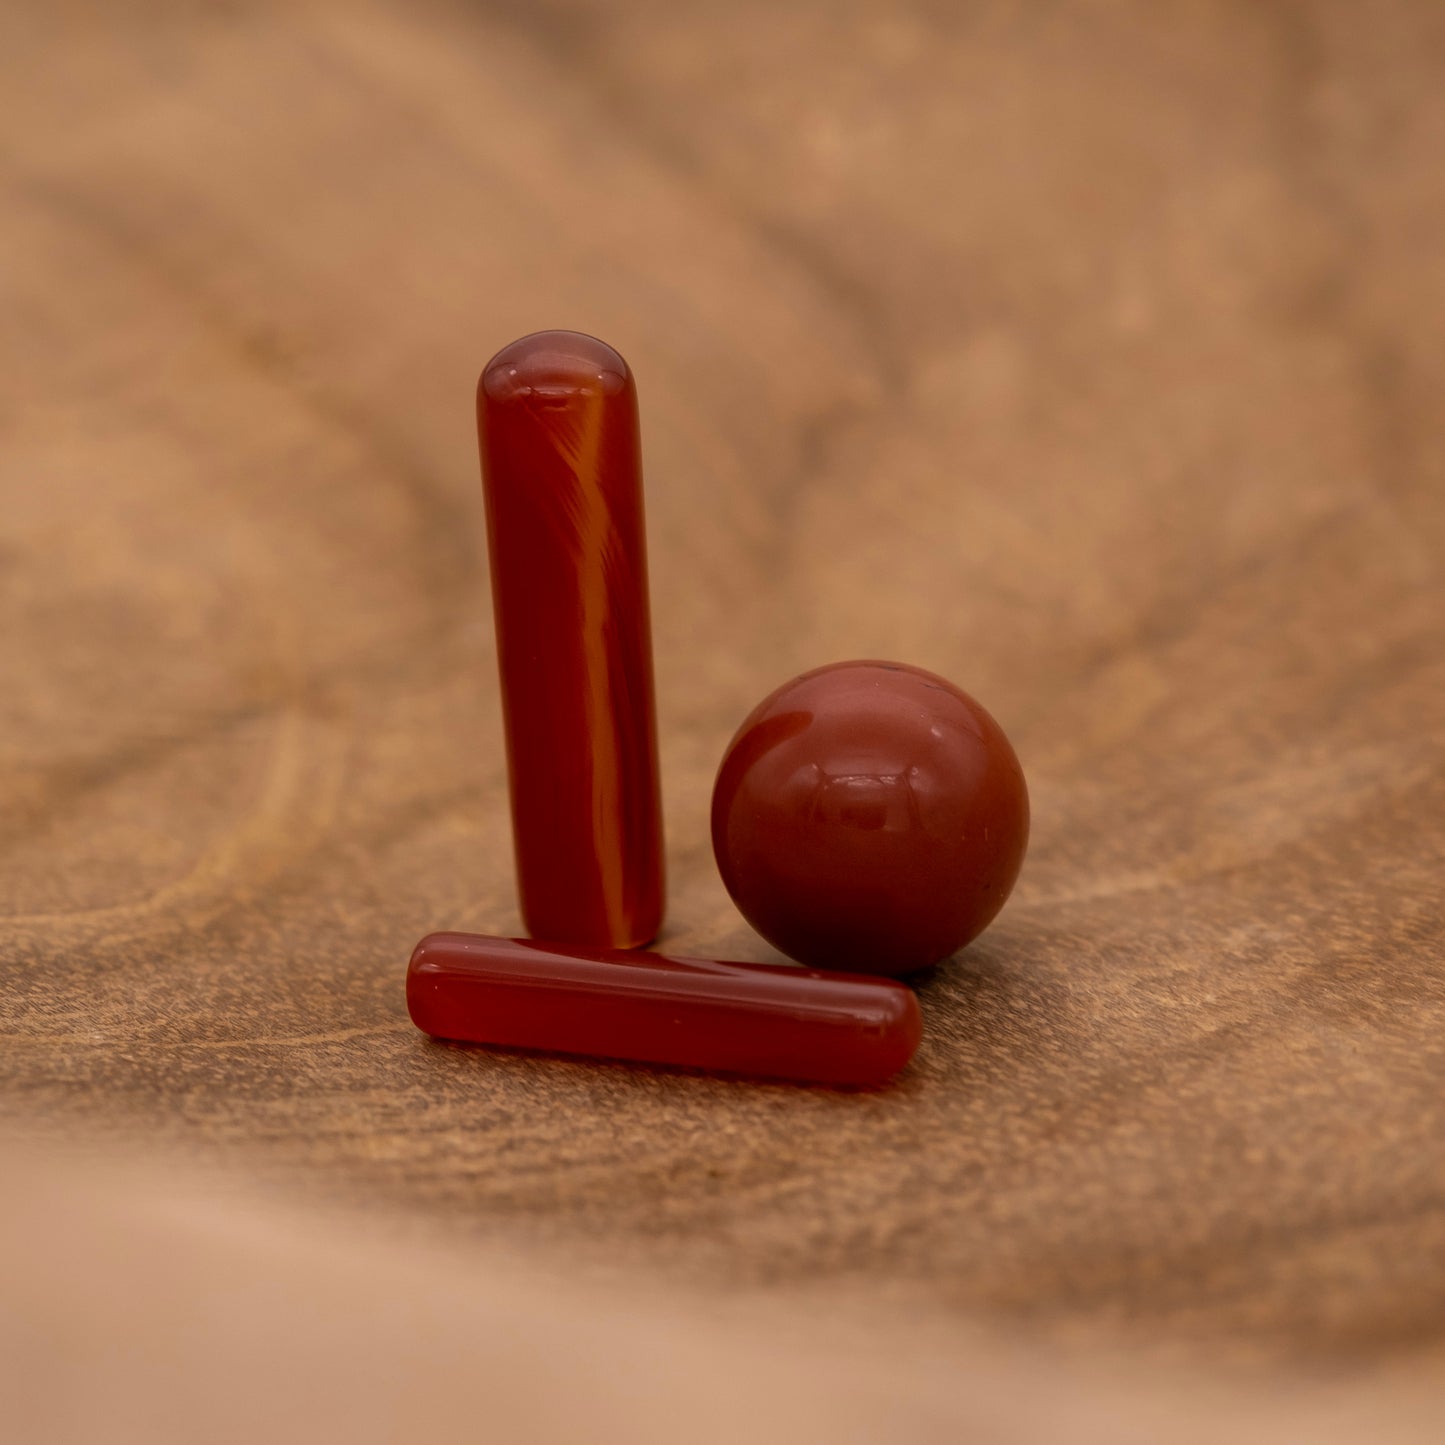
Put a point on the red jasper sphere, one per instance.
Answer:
(869, 816)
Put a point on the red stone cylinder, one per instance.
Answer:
(562, 474)
(739, 1018)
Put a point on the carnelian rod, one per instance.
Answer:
(562, 472)
(739, 1018)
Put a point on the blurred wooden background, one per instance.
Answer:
(1088, 353)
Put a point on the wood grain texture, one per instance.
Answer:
(1086, 354)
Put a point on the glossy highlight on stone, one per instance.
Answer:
(770, 1021)
(562, 474)
(869, 815)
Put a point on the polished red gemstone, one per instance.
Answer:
(738, 1018)
(869, 816)
(562, 473)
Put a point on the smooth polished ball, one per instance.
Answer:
(869, 816)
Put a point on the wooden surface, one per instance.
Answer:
(1089, 354)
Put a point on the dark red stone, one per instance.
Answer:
(562, 474)
(738, 1018)
(869, 816)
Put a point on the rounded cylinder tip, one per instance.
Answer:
(553, 364)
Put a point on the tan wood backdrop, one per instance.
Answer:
(1091, 354)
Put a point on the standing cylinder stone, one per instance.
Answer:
(562, 474)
